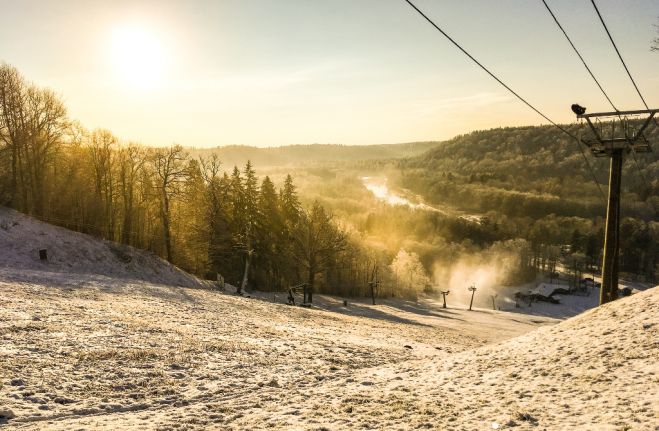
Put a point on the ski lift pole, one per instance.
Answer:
(472, 289)
(444, 293)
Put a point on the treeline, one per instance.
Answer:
(305, 155)
(530, 171)
(532, 183)
(187, 210)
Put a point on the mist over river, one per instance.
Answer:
(382, 192)
(380, 189)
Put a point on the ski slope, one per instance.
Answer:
(98, 343)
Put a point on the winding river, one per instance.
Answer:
(381, 191)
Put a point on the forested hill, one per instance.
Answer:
(293, 155)
(529, 171)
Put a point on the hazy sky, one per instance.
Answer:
(277, 72)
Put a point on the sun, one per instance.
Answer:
(138, 57)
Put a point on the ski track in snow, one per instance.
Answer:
(115, 350)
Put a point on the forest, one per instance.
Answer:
(190, 211)
(309, 219)
(533, 183)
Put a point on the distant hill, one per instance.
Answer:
(499, 168)
(293, 155)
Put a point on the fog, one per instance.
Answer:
(489, 272)
(381, 191)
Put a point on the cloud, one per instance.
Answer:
(431, 107)
(268, 81)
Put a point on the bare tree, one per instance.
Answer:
(12, 129)
(32, 126)
(318, 241)
(131, 161)
(101, 147)
(170, 167)
(47, 125)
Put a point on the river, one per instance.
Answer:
(381, 191)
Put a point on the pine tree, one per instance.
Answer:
(237, 197)
(289, 202)
(236, 194)
(269, 236)
(251, 196)
(190, 225)
(249, 220)
(226, 260)
(290, 210)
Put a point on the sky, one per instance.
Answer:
(280, 72)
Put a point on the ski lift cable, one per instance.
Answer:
(561, 128)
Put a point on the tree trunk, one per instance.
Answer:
(14, 173)
(23, 183)
(248, 261)
(110, 206)
(126, 231)
(165, 225)
(312, 277)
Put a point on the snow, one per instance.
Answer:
(546, 289)
(70, 252)
(570, 305)
(118, 349)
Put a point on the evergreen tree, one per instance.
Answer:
(190, 225)
(251, 193)
(249, 220)
(269, 237)
(237, 197)
(290, 210)
(289, 202)
(218, 218)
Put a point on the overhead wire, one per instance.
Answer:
(583, 61)
(619, 55)
(564, 130)
(638, 91)
(579, 55)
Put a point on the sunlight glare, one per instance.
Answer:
(138, 57)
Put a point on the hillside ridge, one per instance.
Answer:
(22, 237)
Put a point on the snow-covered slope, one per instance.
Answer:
(21, 238)
(79, 350)
(596, 371)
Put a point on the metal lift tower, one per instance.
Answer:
(615, 134)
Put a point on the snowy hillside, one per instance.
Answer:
(597, 371)
(85, 351)
(21, 238)
(159, 357)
